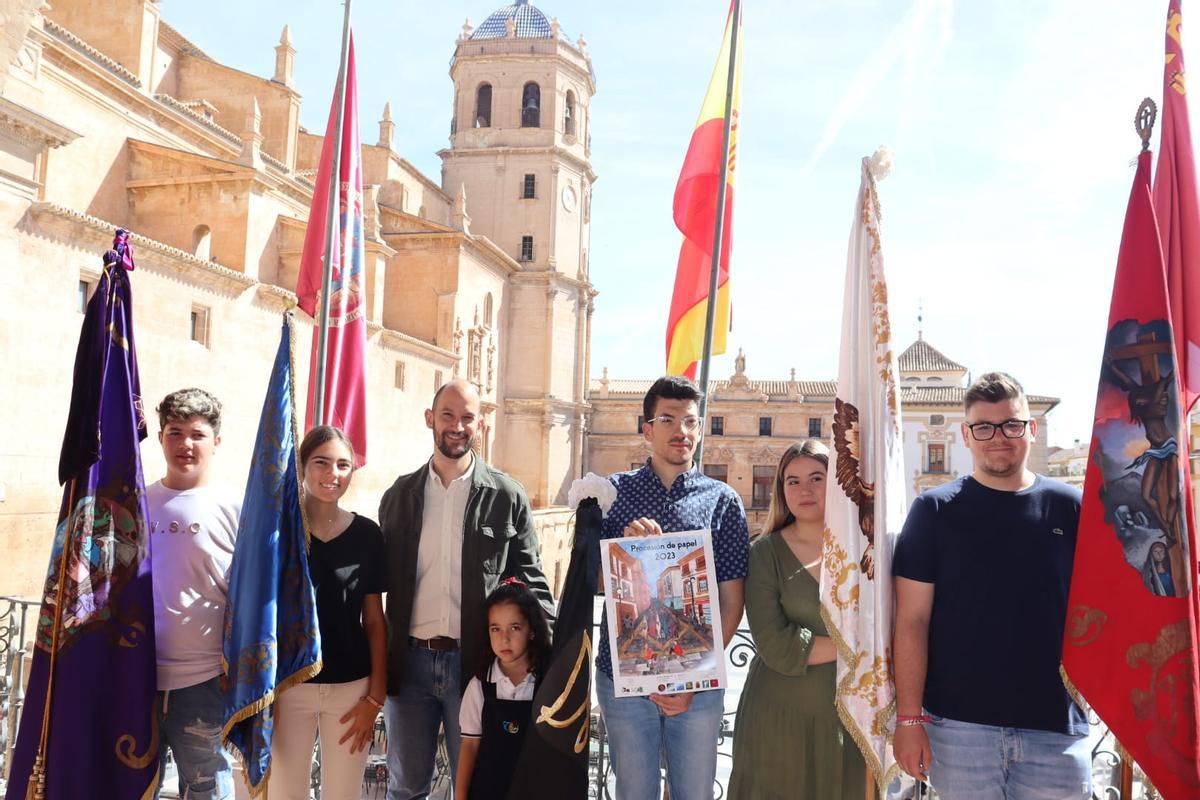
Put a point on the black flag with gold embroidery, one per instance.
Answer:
(554, 756)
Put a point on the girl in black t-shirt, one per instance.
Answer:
(347, 564)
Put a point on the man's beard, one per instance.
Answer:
(677, 458)
(455, 451)
(1002, 467)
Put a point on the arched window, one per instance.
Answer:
(531, 105)
(202, 242)
(569, 115)
(483, 106)
(487, 310)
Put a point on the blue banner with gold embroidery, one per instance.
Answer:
(271, 636)
(88, 723)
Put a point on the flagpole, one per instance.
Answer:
(719, 227)
(332, 226)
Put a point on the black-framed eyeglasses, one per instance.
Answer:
(986, 431)
(689, 423)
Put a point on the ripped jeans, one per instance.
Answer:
(189, 722)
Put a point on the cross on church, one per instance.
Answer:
(1147, 350)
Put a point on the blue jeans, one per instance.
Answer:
(428, 698)
(983, 762)
(189, 722)
(639, 735)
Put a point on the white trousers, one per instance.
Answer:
(301, 713)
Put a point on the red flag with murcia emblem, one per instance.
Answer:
(345, 389)
(1130, 641)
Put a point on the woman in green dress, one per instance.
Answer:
(789, 743)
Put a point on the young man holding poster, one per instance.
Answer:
(670, 494)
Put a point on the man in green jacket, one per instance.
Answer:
(454, 529)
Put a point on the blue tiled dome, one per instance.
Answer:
(531, 23)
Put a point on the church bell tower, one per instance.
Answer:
(519, 153)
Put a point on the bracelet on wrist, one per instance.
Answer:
(378, 705)
(907, 721)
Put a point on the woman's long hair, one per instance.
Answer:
(778, 515)
(519, 595)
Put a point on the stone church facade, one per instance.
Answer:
(110, 117)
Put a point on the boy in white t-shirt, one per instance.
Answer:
(192, 530)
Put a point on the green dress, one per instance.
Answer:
(789, 743)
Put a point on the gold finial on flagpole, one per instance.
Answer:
(1143, 121)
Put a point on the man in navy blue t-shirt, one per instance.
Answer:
(983, 569)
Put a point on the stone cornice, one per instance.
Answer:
(496, 256)
(272, 161)
(539, 406)
(83, 48)
(551, 277)
(522, 49)
(378, 247)
(395, 340)
(31, 126)
(168, 260)
(195, 116)
(172, 38)
(266, 84)
(583, 165)
(88, 78)
(219, 170)
(274, 297)
(434, 227)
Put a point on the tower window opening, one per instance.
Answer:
(526, 248)
(483, 106)
(569, 115)
(531, 104)
(529, 187)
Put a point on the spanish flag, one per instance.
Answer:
(696, 197)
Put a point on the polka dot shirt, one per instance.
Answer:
(694, 501)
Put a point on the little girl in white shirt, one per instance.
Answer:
(497, 706)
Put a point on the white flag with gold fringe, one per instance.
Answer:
(865, 504)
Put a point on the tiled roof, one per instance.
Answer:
(909, 395)
(953, 396)
(531, 23)
(770, 388)
(924, 357)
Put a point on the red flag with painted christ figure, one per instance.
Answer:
(345, 390)
(1130, 646)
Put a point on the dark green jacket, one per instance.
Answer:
(499, 542)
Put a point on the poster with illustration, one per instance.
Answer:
(664, 618)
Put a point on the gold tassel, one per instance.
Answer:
(36, 788)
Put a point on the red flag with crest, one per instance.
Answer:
(345, 376)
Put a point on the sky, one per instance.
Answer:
(1011, 124)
